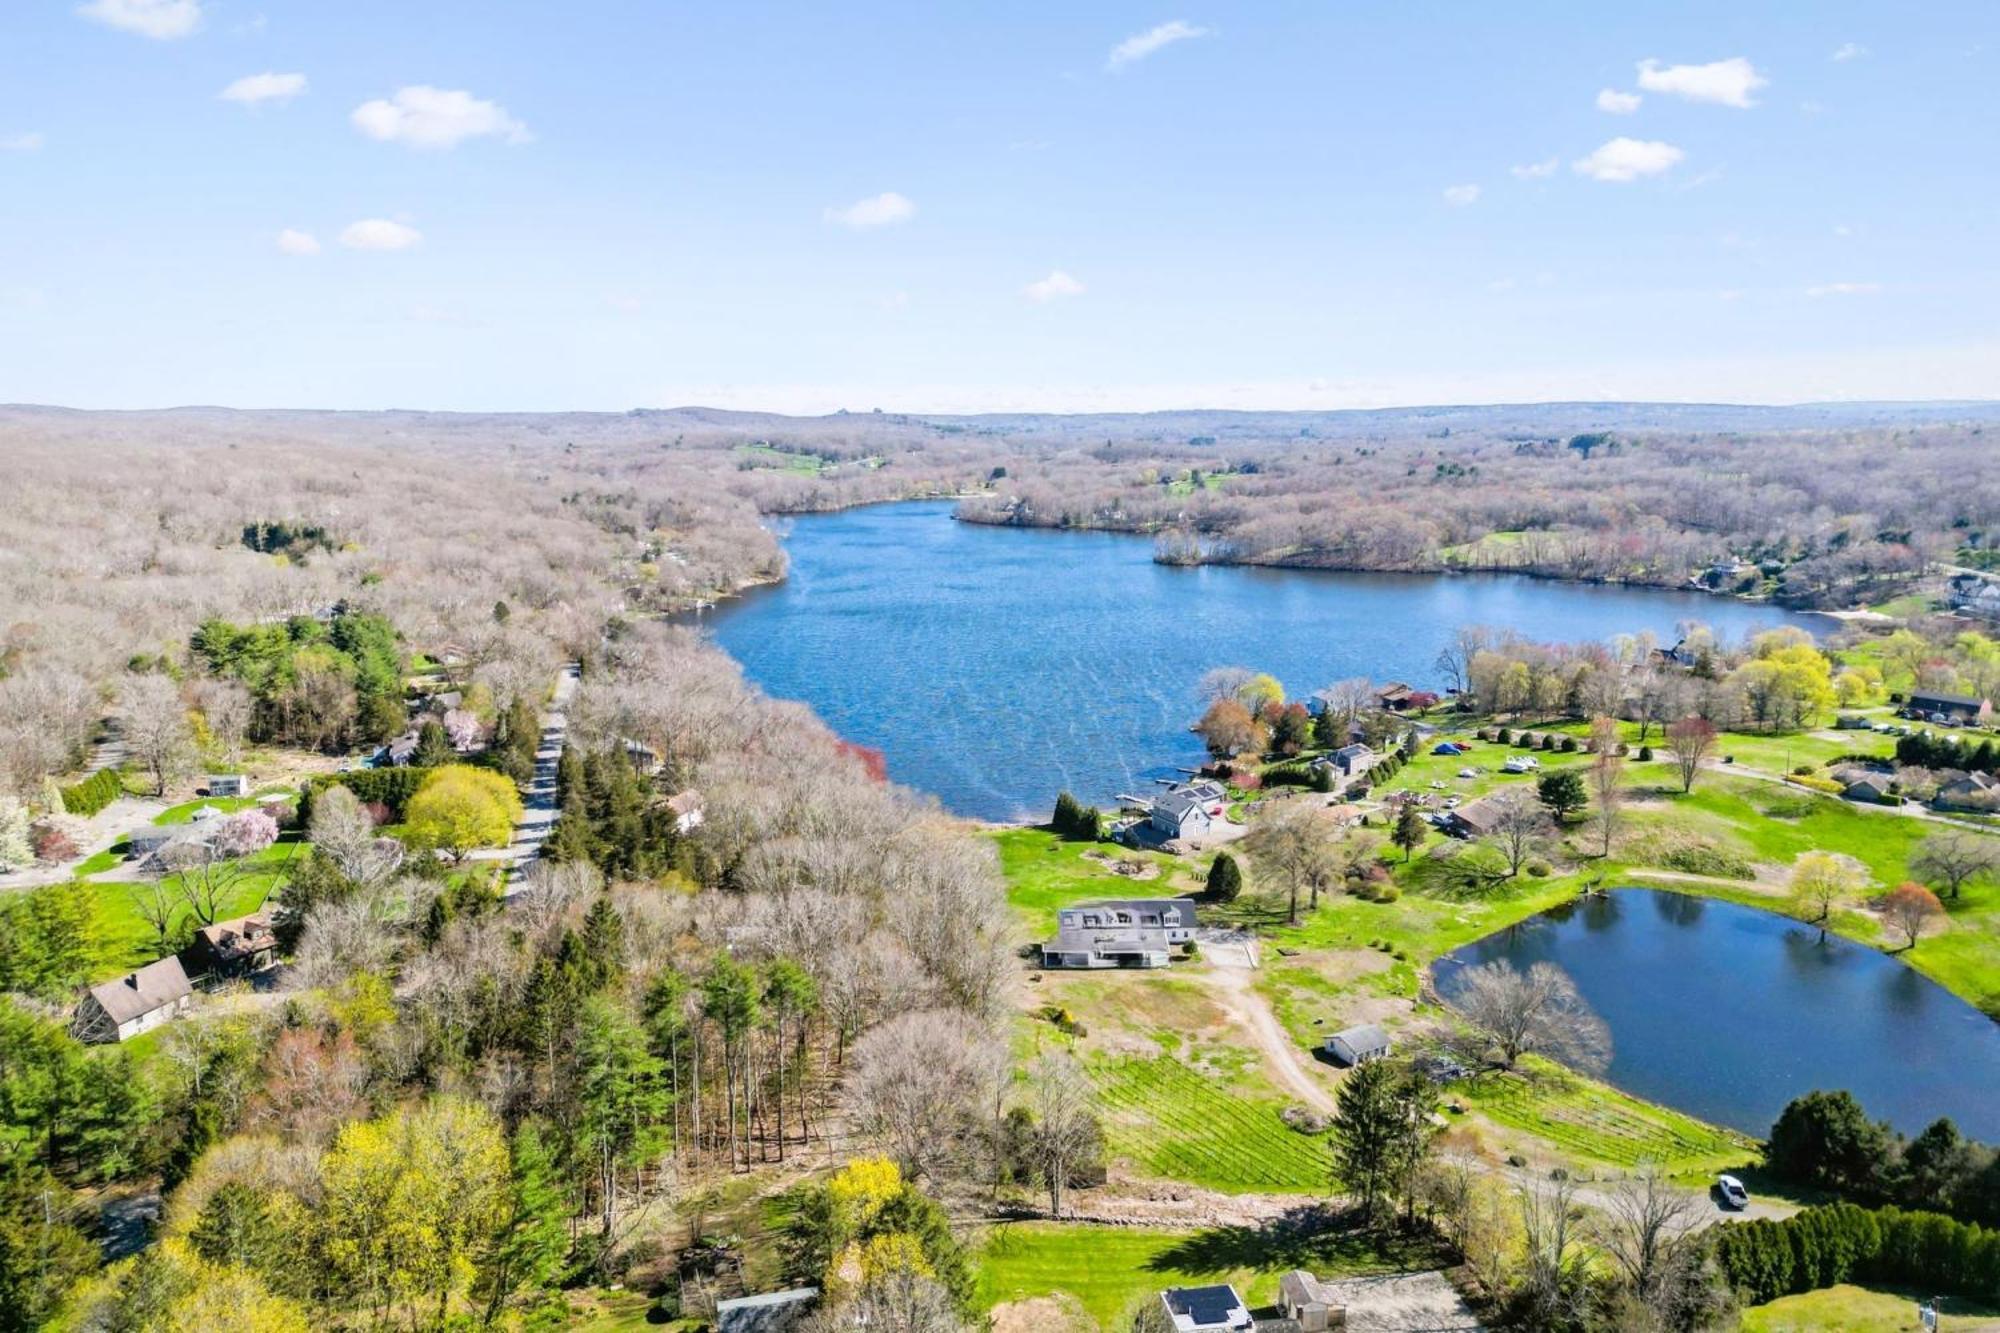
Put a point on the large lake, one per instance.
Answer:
(997, 666)
(1727, 1012)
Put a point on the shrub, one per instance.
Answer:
(92, 794)
(1569, 745)
(1504, 736)
(1645, 754)
(1827, 785)
(1388, 893)
(52, 843)
(1802, 770)
(1548, 741)
(1538, 868)
(389, 787)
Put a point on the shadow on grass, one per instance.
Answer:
(1317, 1237)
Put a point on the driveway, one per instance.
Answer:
(1402, 1303)
(1230, 976)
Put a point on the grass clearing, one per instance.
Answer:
(1851, 1309)
(1594, 1122)
(1184, 1121)
(130, 941)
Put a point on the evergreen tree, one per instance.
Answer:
(1382, 1135)
(603, 944)
(235, 1227)
(1825, 1139)
(434, 748)
(1327, 731)
(1225, 878)
(1562, 791)
(1410, 830)
(534, 1242)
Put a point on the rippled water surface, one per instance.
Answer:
(1728, 1013)
(996, 666)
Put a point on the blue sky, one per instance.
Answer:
(497, 204)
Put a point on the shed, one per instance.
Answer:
(1358, 1045)
(228, 785)
(771, 1312)
(1309, 1303)
(137, 1002)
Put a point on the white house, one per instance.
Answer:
(1358, 1045)
(136, 1002)
(1186, 812)
(228, 784)
(1137, 932)
(1216, 1309)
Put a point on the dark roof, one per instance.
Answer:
(1182, 907)
(767, 1313)
(1940, 697)
(136, 994)
(1178, 805)
(1204, 1305)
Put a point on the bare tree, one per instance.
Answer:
(1607, 771)
(1454, 660)
(1521, 827)
(898, 1301)
(226, 708)
(1555, 1264)
(1348, 699)
(1952, 859)
(344, 833)
(1226, 682)
(155, 725)
(920, 1083)
(1692, 739)
(1065, 1129)
(1536, 1012)
(1646, 1223)
(1294, 843)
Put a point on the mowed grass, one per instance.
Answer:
(1851, 1309)
(130, 941)
(1114, 1271)
(1173, 1120)
(1592, 1122)
(1045, 872)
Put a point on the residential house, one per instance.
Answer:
(1395, 697)
(232, 948)
(1974, 595)
(1870, 790)
(1310, 1303)
(772, 1312)
(1137, 932)
(686, 809)
(1215, 1309)
(399, 753)
(1186, 812)
(644, 758)
(1358, 1045)
(1938, 706)
(228, 785)
(137, 1002)
(1969, 791)
(142, 843)
(1474, 819)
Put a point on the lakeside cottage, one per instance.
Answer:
(137, 1002)
(1136, 932)
(1358, 1045)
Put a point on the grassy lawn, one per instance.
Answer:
(1044, 872)
(129, 941)
(1589, 1121)
(764, 456)
(1112, 1271)
(1197, 1122)
(1850, 1309)
(184, 812)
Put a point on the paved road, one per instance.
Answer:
(538, 815)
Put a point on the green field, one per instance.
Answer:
(1589, 1121)
(763, 456)
(1850, 1309)
(1112, 1271)
(129, 941)
(1045, 872)
(1175, 1121)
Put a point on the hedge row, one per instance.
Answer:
(392, 787)
(92, 794)
(1843, 1242)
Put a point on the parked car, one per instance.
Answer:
(1729, 1192)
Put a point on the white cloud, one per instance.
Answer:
(162, 20)
(1141, 45)
(28, 141)
(1460, 196)
(1054, 287)
(1722, 82)
(1844, 289)
(878, 210)
(379, 234)
(1620, 160)
(1535, 171)
(292, 241)
(1617, 103)
(426, 117)
(1847, 51)
(256, 89)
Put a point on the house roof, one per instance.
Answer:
(239, 937)
(1480, 816)
(1363, 1038)
(1180, 804)
(685, 803)
(1204, 1306)
(136, 994)
(1940, 697)
(1183, 907)
(765, 1313)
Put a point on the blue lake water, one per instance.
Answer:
(1728, 1012)
(997, 666)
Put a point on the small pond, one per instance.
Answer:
(1728, 1012)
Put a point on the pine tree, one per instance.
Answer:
(603, 943)
(535, 1241)
(1410, 830)
(434, 748)
(1225, 878)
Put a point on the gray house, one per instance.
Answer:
(1939, 706)
(1139, 932)
(1216, 1309)
(1186, 811)
(1358, 1045)
(1353, 759)
(772, 1312)
(136, 1002)
(228, 784)
(1871, 790)
(1973, 791)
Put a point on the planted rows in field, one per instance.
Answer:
(1176, 1122)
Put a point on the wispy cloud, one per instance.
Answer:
(1617, 103)
(1844, 289)
(1536, 171)
(1461, 196)
(1057, 286)
(162, 20)
(1847, 51)
(292, 241)
(379, 234)
(257, 89)
(426, 117)
(28, 141)
(1721, 82)
(1140, 45)
(1621, 160)
(877, 210)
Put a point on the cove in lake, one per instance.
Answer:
(1728, 1012)
(996, 666)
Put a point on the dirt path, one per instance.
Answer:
(1230, 977)
(1716, 881)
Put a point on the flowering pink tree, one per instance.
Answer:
(463, 728)
(244, 834)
